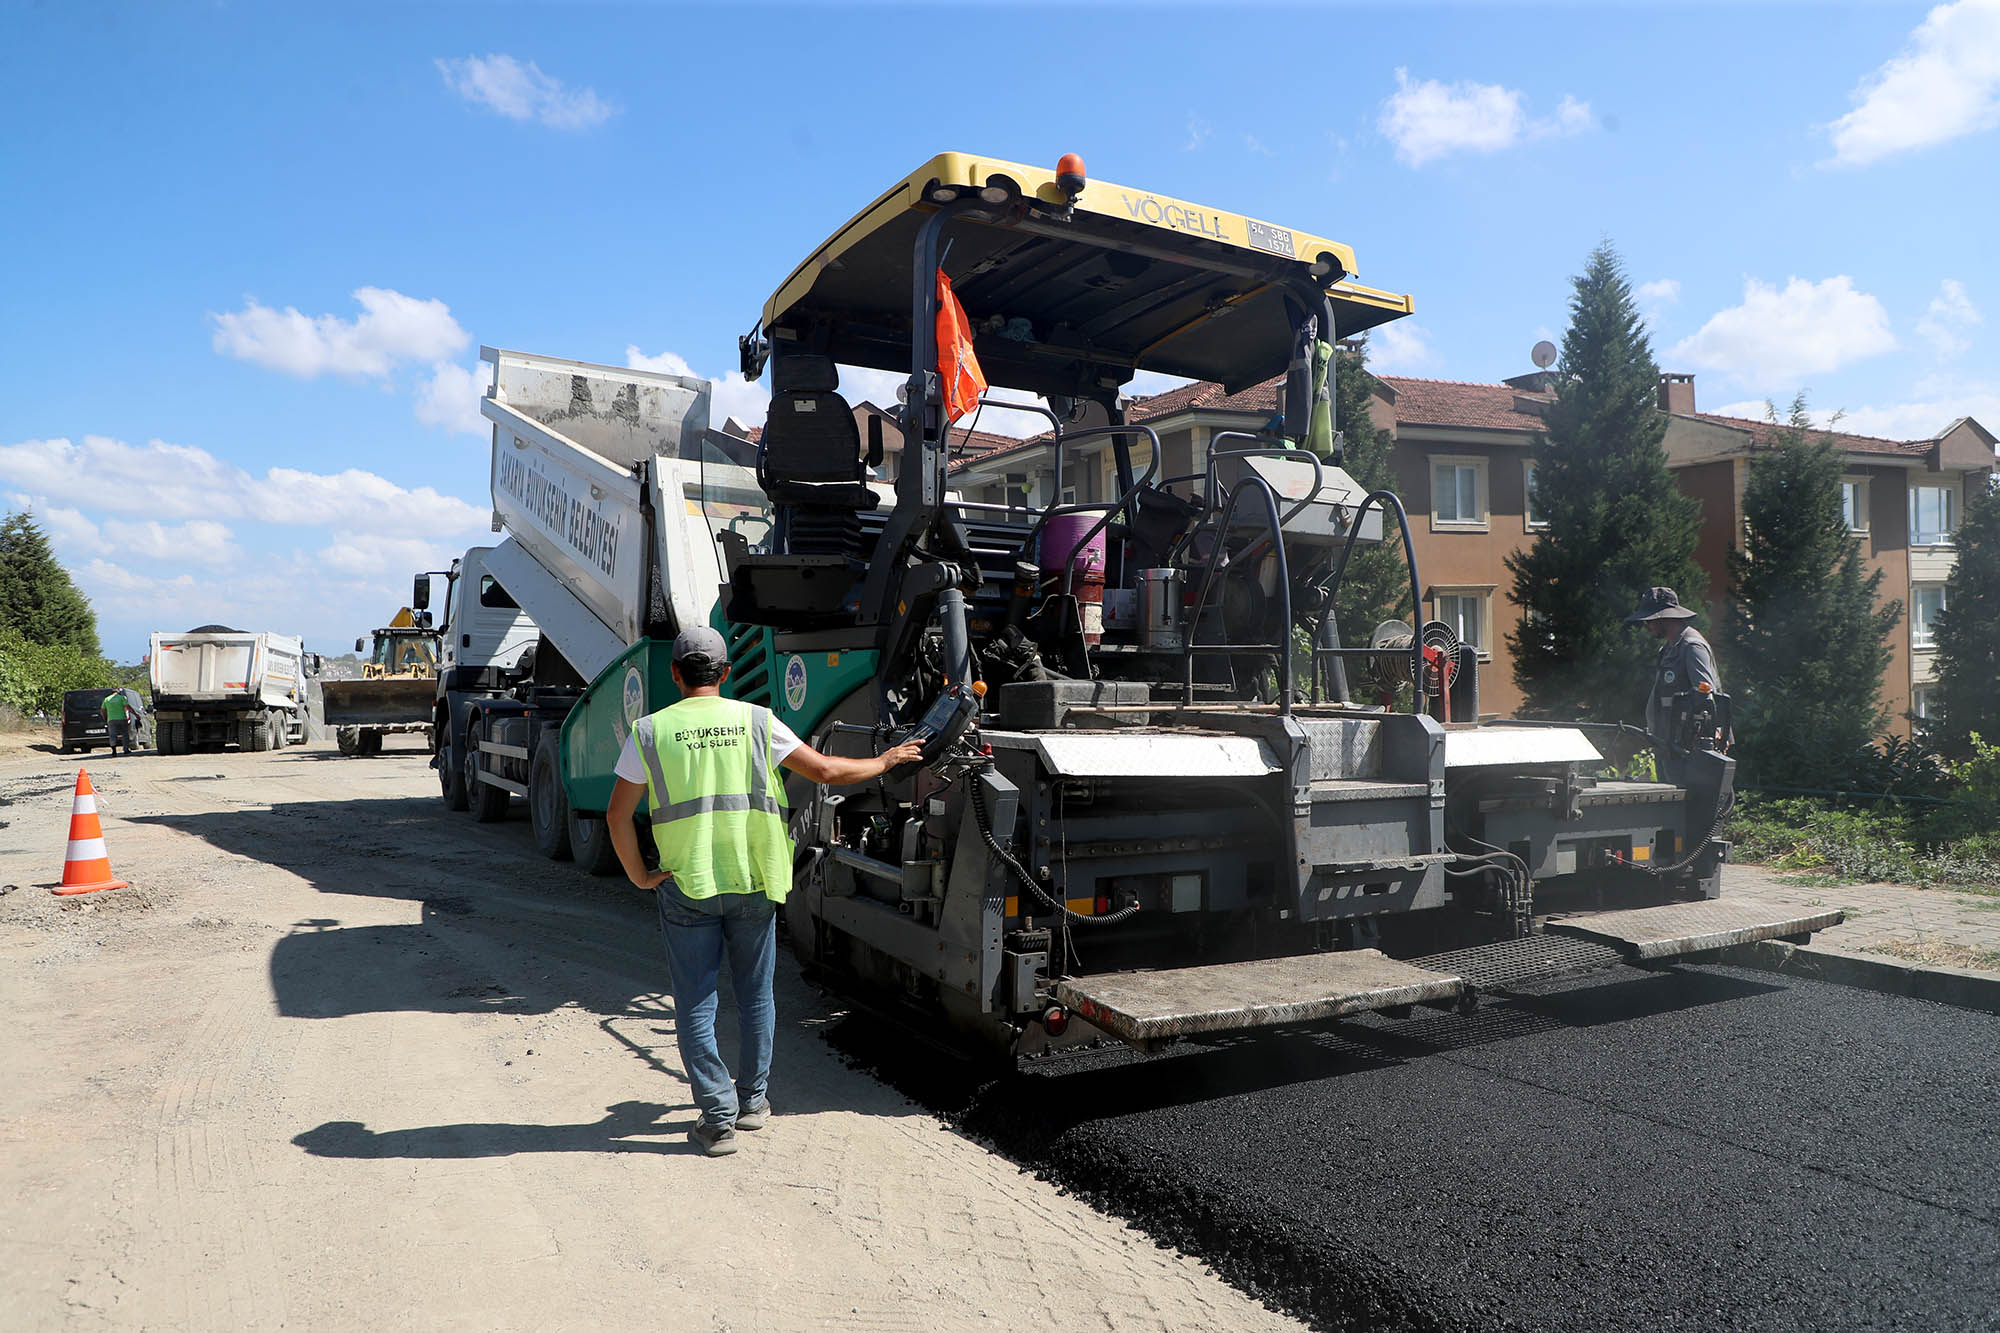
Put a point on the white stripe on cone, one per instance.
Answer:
(86, 804)
(87, 849)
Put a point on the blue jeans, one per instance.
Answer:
(698, 933)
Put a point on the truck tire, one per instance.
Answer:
(348, 739)
(170, 738)
(489, 803)
(255, 734)
(590, 844)
(280, 730)
(548, 803)
(371, 742)
(451, 777)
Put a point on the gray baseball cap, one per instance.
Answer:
(702, 644)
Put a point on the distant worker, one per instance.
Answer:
(707, 768)
(1686, 663)
(118, 721)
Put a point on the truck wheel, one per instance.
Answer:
(169, 738)
(451, 777)
(590, 844)
(371, 742)
(256, 734)
(548, 804)
(489, 803)
(279, 728)
(348, 739)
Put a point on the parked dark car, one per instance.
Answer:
(84, 727)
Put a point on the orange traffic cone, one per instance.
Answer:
(86, 869)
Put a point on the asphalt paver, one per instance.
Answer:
(1693, 1147)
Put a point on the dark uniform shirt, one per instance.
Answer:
(1685, 662)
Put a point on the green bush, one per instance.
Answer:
(1886, 841)
(37, 675)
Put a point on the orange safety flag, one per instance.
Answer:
(958, 364)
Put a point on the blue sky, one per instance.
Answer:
(253, 249)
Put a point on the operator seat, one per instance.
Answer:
(810, 462)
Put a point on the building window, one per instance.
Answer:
(1854, 503)
(1458, 493)
(1531, 508)
(1920, 702)
(1465, 611)
(1926, 600)
(1933, 514)
(1069, 495)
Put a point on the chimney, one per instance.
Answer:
(1677, 394)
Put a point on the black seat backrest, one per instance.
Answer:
(810, 435)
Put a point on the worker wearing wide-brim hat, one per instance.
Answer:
(1686, 661)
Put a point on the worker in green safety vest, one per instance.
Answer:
(707, 769)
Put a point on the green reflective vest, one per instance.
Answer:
(715, 798)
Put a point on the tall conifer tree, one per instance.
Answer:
(1806, 642)
(1617, 525)
(1376, 584)
(37, 598)
(1968, 633)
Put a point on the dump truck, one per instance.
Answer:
(1150, 807)
(394, 695)
(216, 686)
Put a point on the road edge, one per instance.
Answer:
(1961, 987)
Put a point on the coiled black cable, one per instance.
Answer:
(985, 823)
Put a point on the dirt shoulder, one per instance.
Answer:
(337, 1053)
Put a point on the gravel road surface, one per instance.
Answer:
(339, 1058)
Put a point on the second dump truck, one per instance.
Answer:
(1172, 821)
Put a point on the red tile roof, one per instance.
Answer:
(1761, 433)
(1467, 406)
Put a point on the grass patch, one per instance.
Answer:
(1882, 842)
(1817, 882)
(1938, 953)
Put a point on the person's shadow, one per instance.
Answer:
(626, 1127)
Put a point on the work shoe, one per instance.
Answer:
(714, 1140)
(755, 1116)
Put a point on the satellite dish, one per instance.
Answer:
(1544, 354)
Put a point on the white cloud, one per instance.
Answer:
(1944, 84)
(449, 400)
(520, 91)
(1934, 403)
(1431, 119)
(1199, 132)
(68, 528)
(1655, 296)
(362, 555)
(1660, 291)
(1256, 145)
(1400, 348)
(200, 541)
(169, 481)
(1951, 315)
(391, 329)
(1778, 336)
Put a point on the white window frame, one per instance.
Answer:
(1528, 519)
(1859, 523)
(1484, 596)
(1920, 702)
(1481, 495)
(1924, 636)
(1954, 501)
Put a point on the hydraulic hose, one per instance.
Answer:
(985, 823)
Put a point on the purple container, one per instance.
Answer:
(1063, 547)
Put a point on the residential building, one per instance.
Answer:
(1902, 498)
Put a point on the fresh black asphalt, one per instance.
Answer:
(1691, 1148)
